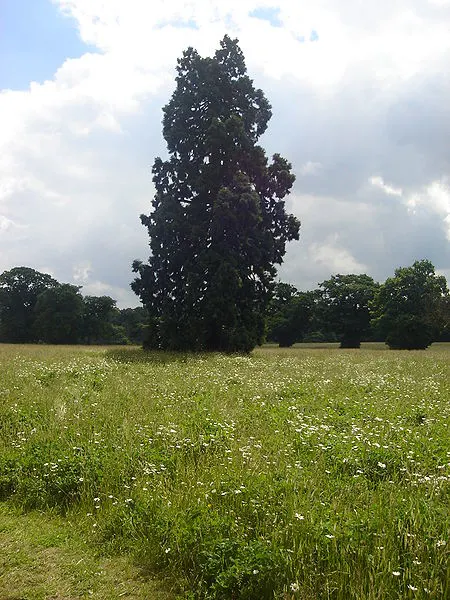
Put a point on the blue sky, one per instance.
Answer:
(270, 14)
(35, 39)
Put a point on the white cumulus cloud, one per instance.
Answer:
(359, 94)
(378, 182)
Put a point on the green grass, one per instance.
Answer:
(43, 557)
(302, 473)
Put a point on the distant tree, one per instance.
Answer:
(134, 324)
(98, 318)
(59, 315)
(218, 225)
(345, 303)
(289, 315)
(19, 291)
(444, 319)
(408, 308)
(320, 328)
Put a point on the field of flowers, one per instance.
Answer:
(297, 474)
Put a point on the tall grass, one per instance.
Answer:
(303, 473)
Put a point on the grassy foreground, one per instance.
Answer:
(296, 474)
(43, 557)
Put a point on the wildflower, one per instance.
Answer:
(396, 573)
(440, 543)
(255, 571)
(299, 517)
(411, 587)
(295, 587)
(329, 536)
(381, 465)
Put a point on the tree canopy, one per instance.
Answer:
(59, 315)
(219, 226)
(19, 291)
(410, 309)
(34, 307)
(345, 304)
(289, 314)
(98, 317)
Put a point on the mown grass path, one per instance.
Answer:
(43, 557)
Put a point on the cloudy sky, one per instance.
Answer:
(361, 106)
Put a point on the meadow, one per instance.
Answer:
(308, 473)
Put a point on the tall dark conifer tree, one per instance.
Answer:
(218, 225)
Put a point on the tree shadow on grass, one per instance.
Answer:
(140, 356)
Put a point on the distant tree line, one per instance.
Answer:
(408, 311)
(34, 307)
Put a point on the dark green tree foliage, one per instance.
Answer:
(409, 308)
(98, 318)
(345, 303)
(133, 323)
(59, 315)
(218, 225)
(19, 291)
(444, 319)
(289, 315)
(29, 314)
(321, 328)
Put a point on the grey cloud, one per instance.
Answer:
(418, 124)
(379, 236)
(355, 134)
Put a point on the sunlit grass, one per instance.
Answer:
(306, 473)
